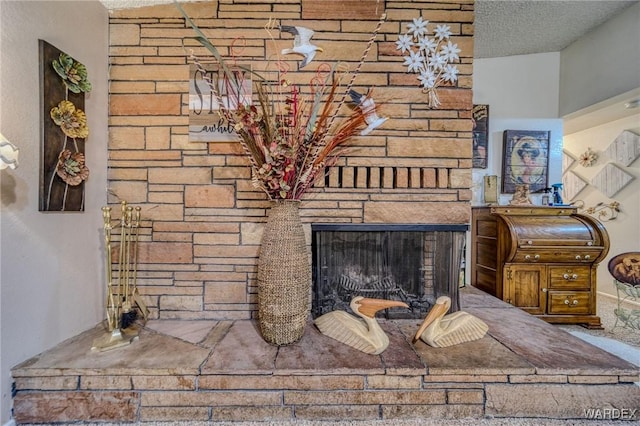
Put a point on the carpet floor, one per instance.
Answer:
(621, 341)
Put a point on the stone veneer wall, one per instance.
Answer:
(202, 219)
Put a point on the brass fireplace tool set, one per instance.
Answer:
(124, 304)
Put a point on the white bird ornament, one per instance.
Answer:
(364, 334)
(441, 331)
(301, 43)
(368, 107)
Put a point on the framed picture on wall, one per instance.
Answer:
(525, 160)
(480, 116)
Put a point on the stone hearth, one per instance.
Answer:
(224, 371)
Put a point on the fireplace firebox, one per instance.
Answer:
(412, 263)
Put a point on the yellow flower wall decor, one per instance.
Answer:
(72, 121)
(64, 82)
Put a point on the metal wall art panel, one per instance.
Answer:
(63, 84)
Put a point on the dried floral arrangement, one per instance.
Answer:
(430, 57)
(290, 133)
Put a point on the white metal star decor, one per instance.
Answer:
(430, 57)
(625, 149)
(611, 179)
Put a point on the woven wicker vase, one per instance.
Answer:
(284, 276)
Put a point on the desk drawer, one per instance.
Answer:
(533, 255)
(569, 277)
(569, 302)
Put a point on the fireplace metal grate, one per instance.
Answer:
(411, 263)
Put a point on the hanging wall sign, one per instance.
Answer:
(480, 116)
(63, 84)
(207, 88)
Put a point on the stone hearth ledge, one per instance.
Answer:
(223, 370)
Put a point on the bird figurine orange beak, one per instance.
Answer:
(369, 307)
(363, 333)
(439, 330)
(437, 311)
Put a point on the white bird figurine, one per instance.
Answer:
(368, 107)
(441, 331)
(301, 43)
(364, 334)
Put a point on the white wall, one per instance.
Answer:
(522, 94)
(602, 64)
(599, 73)
(521, 86)
(51, 278)
(624, 231)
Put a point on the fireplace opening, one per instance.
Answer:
(412, 263)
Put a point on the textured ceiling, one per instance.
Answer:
(514, 27)
(506, 28)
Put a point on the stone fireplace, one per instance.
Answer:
(200, 239)
(414, 264)
(202, 219)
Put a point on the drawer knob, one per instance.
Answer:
(575, 301)
(544, 289)
(567, 302)
(578, 257)
(570, 277)
(587, 257)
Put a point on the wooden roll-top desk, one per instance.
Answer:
(540, 259)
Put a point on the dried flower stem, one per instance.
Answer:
(317, 164)
(289, 137)
(357, 70)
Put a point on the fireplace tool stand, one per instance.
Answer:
(124, 304)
